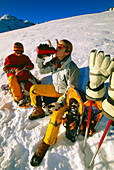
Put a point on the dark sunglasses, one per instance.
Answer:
(61, 46)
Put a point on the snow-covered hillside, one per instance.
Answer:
(19, 137)
(8, 23)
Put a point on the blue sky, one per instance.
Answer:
(39, 11)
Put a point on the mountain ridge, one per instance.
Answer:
(9, 23)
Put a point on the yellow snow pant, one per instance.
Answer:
(15, 87)
(56, 117)
(53, 126)
(42, 90)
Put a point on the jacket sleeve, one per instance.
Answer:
(74, 74)
(44, 68)
(28, 65)
(8, 66)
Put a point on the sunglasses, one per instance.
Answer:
(61, 46)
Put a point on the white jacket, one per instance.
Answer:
(67, 75)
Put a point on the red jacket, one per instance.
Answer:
(12, 62)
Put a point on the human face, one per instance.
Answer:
(61, 50)
(18, 53)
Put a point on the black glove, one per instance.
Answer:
(44, 50)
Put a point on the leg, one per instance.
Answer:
(15, 87)
(42, 90)
(50, 136)
(35, 92)
(53, 126)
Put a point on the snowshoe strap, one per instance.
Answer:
(73, 94)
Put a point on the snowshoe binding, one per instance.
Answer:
(24, 102)
(5, 88)
(74, 114)
(96, 115)
(72, 121)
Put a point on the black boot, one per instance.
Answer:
(39, 154)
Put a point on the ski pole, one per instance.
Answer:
(101, 141)
(88, 121)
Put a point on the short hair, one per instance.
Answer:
(69, 46)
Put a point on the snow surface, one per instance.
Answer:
(19, 137)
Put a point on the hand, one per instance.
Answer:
(53, 107)
(17, 69)
(108, 103)
(99, 70)
(44, 50)
(26, 67)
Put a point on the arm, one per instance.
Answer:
(28, 65)
(74, 74)
(44, 68)
(8, 66)
(44, 50)
(11, 64)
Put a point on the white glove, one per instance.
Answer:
(108, 103)
(99, 70)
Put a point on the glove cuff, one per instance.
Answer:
(108, 108)
(95, 94)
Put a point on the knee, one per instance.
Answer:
(12, 79)
(54, 121)
(33, 89)
(55, 117)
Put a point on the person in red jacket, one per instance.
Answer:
(13, 63)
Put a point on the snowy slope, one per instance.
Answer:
(8, 23)
(19, 137)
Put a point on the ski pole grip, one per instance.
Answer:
(45, 51)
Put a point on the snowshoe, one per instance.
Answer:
(74, 114)
(71, 121)
(96, 115)
(5, 88)
(24, 102)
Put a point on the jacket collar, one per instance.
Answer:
(65, 62)
(56, 62)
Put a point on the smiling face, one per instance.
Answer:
(18, 53)
(61, 50)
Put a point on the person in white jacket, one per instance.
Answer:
(64, 73)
